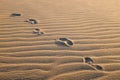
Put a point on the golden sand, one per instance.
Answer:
(92, 25)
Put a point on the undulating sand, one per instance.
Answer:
(92, 25)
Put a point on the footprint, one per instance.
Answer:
(32, 21)
(15, 14)
(88, 60)
(65, 41)
(38, 31)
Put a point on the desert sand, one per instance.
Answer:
(92, 25)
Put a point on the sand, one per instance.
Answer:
(92, 25)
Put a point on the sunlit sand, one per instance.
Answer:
(59, 40)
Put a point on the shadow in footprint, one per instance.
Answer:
(64, 42)
(60, 43)
(63, 39)
(38, 31)
(88, 60)
(98, 67)
(15, 14)
(32, 21)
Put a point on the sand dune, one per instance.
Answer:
(93, 26)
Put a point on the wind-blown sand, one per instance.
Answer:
(92, 25)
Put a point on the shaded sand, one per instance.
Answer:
(93, 25)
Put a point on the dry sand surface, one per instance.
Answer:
(92, 25)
